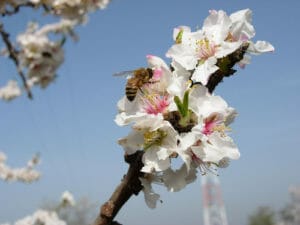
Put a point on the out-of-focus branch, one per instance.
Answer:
(15, 9)
(13, 54)
(226, 64)
(129, 185)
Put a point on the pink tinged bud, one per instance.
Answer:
(213, 12)
(157, 73)
(149, 56)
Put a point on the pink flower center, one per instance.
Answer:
(155, 104)
(208, 127)
(205, 49)
(213, 123)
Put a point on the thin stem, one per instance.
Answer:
(226, 64)
(130, 185)
(15, 9)
(13, 54)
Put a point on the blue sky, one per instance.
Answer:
(71, 123)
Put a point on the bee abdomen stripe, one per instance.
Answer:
(130, 90)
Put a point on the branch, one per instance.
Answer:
(13, 54)
(226, 64)
(17, 8)
(129, 185)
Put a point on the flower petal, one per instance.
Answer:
(260, 47)
(203, 71)
(151, 197)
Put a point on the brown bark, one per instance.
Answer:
(13, 54)
(226, 64)
(129, 185)
(14, 9)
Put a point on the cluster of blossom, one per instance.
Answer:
(73, 10)
(25, 174)
(40, 217)
(10, 91)
(46, 217)
(38, 55)
(67, 199)
(173, 115)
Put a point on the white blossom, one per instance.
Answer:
(10, 91)
(200, 50)
(175, 180)
(157, 138)
(74, 10)
(220, 36)
(67, 199)
(215, 116)
(151, 99)
(39, 54)
(41, 217)
(26, 174)
(151, 197)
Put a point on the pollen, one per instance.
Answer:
(221, 128)
(178, 39)
(215, 123)
(152, 138)
(155, 103)
(205, 49)
(230, 38)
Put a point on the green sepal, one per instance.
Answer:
(185, 104)
(178, 39)
(179, 105)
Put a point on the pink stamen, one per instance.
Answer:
(206, 49)
(210, 123)
(208, 127)
(156, 104)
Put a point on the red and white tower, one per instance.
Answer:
(213, 206)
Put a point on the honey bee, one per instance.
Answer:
(138, 79)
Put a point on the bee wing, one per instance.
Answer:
(126, 74)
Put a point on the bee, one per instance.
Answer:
(138, 78)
